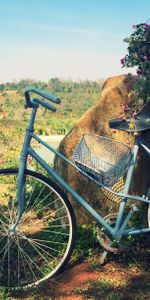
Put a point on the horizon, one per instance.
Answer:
(74, 41)
(15, 81)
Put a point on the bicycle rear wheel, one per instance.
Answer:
(45, 236)
(148, 208)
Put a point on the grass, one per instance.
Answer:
(116, 290)
(124, 276)
(117, 280)
(86, 240)
(4, 295)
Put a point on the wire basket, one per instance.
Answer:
(102, 158)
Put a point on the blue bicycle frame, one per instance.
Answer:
(120, 228)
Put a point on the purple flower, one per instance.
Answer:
(139, 72)
(145, 25)
(122, 61)
(148, 57)
(134, 26)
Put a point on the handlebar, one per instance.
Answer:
(31, 102)
(45, 104)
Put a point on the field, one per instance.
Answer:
(124, 276)
(76, 99)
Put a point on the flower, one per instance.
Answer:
(134, 26)
(122, 60)
(139, 71)
(138, 56)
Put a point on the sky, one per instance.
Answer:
(81, 39)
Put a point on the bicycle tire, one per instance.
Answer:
(45, 237)
(148, 208)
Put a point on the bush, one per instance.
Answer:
(138, 56)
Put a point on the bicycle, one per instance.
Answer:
(37, 222)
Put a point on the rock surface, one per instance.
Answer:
(95, 120)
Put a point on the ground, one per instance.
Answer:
(121, 277)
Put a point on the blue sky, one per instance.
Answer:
(81, 39)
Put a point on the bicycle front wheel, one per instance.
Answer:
(43, 240)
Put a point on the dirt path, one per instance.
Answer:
(124, 278)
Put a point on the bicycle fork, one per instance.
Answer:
(21, 184)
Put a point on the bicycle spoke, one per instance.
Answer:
(42, 240)
(4, 247)
(3, 226)
(8, 281)
(3, 233)
(40, 244)
(32, 244)
(21, 257)
(55, 232)
(37, 242)
(45, 241)
(33, 189)
(10, 211)
(32, 261)
(9, 242)
(47, 253)
(4, 223)
(48, 205)
(57, 226)
(13, 212)
(40, 210)
(29, 265)
(58, 219)
(32, 207)
(18, 265)
(9, 215)
(41, 202)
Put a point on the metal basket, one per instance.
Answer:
(102, 158)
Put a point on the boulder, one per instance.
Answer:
(96, 121)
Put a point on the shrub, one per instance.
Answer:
(138, 56)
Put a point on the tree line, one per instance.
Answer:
(77, 97)
(53, 85)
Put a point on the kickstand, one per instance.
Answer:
(103, 257)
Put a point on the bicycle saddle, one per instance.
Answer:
(141, 122)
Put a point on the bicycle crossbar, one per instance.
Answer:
(79, 199)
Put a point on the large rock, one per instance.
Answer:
(95, 120)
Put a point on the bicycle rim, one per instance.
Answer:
(43, 240)
(148, 208)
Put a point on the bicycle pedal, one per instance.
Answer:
(135, 208)
(103, 257)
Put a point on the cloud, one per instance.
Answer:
(67, 29)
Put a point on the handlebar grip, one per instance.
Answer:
(45, 95)
(115, 123)
(45, 104)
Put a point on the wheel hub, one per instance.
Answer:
(12, 232)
